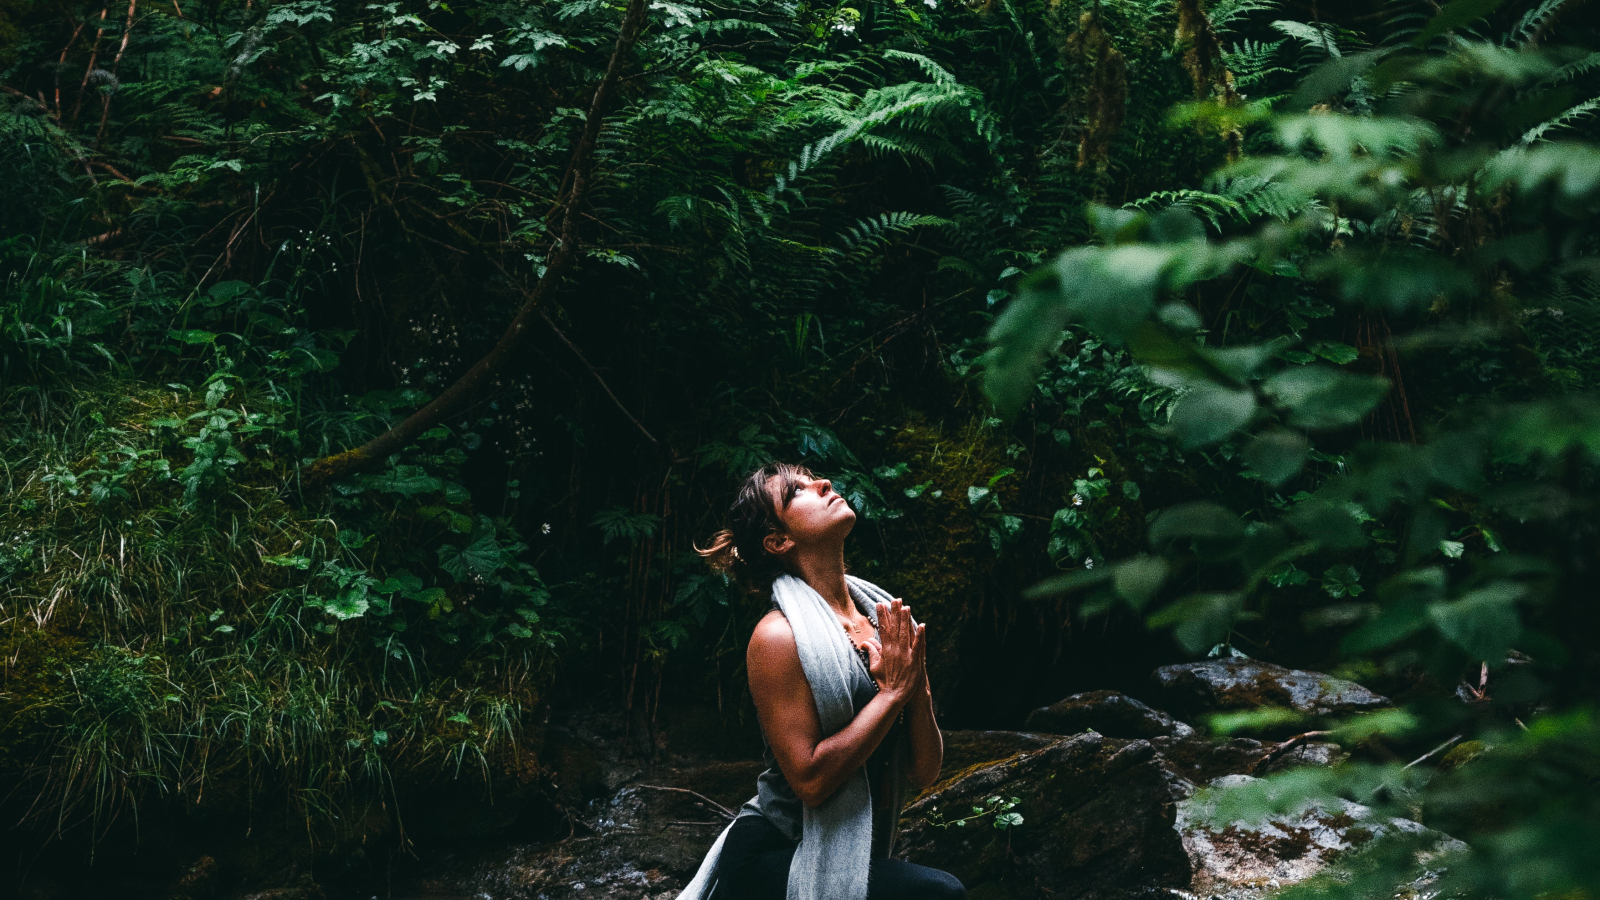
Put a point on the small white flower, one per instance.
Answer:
(545, 528)
(1077, 499)
(1088, 563)
(931, 4)
(844, 27)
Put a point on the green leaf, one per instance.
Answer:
(406, 480)
(1334, 352)
(192, 336)
(1027, 330)
(224, 291)
(1208, 414)
(1202, 619)
(1251, 720)
(1318, 397)
(349, 604)
(480, 559)
(1139, 579)
(292, 562)
(1288, 575)
(1334, 525)
(1277, 455)
(618, 522)
(1206, 521)
(1483, 622)
(1068, 583)
(1340, 581)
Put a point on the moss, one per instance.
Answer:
(34, 663)
(1462, 754)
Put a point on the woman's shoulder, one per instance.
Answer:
(773, 628)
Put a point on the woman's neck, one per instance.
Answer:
(825, 573)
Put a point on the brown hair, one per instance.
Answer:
(738, 550)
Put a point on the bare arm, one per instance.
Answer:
(927, 744)
(815, 767)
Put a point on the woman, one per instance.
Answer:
(838, 677)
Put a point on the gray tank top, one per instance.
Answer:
(777, 801)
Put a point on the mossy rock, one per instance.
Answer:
(1097, 822)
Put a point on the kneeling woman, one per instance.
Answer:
(838, 676)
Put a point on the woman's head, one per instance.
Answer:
(780, 510)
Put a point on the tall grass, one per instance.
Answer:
(180, 659)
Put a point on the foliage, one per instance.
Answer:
(1452, 519)
(239, 237)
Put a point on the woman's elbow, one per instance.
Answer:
(811, 795)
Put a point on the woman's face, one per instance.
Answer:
(811, 511)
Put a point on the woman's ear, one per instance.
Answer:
(776, 543)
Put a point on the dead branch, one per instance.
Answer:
(94, 57)
(1285, 747)
(716, 807)
(116, 64)
(1434, 752)
(563, 253)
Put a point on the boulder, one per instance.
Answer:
(1311, 753)
(1229, 684)
(965, 749)
(1239, 861)
(1097, 823)
(1200, 759)
(1108, 712)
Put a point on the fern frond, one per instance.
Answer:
(1212, 207)
(1533, 21)
(1564, 120)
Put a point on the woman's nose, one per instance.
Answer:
(824, 485)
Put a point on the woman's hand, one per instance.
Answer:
(897, 658)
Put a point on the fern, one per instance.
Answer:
(1533, 21)
(1565, 120)
(875, 232)
(1224, 14)
(1214, 208)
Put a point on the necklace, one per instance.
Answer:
(852, 630)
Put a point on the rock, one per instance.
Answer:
(640, 843)
(198, 882)
(1201, 759)
(1243, 862)
(1228, 684)
(1097, 823)
(965, 749)
(1108, 712)
(1311, 753)
(307, 892)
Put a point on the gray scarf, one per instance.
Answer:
(836, 837)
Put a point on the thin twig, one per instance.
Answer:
(718, 807)
(1285, 747)
(592, 371)
(1432, 753)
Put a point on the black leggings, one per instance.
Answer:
(755, 866)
